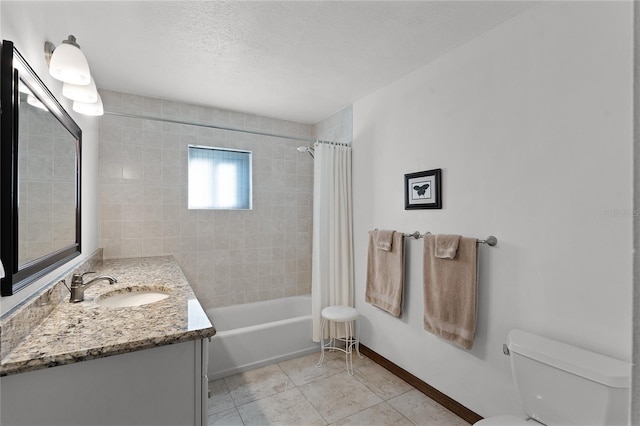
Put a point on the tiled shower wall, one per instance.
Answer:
(228, 256)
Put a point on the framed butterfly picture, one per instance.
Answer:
(423, 190)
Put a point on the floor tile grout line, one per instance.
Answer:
(314, 407)
(240, 416)
(383, 401)
(364, 409)
(380, 396)
(228, 409)
(349, 415)
(235, 406)
(307, 398)
(311, 402)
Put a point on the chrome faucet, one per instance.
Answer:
(78, 286)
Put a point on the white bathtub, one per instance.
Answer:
(256, 334)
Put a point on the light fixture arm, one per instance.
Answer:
(48, 51)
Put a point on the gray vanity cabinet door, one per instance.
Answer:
(158, 386)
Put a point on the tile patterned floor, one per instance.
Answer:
(296, 392)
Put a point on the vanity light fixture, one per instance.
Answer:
(67, 62)
(82, 93)
(94, 108)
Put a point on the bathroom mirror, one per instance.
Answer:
(39, 176)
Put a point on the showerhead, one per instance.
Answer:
(306, 149)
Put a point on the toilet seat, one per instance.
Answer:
(505, 421)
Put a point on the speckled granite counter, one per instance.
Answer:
(82, 331)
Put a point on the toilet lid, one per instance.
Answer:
(504, 421)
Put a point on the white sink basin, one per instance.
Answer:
(131, 297)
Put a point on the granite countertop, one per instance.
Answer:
(82, 331)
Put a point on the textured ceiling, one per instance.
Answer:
(299, 61)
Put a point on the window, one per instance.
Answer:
(219, 178)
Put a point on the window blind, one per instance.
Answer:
(219, 178)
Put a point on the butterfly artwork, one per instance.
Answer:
(421, 189)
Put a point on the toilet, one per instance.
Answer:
(560, 384)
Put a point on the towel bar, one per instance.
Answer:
(491, 240)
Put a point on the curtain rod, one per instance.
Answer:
(332, 143)
(210, 126)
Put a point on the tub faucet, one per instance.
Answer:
(78, 286)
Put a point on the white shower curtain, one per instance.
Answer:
(332, 259)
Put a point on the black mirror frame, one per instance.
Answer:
(17, 277)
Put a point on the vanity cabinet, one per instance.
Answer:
(165, 385)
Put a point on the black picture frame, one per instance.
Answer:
(423, 190)
(15, 70)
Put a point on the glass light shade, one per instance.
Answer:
(94, 108)
(33, 101)
(87, 93)
(68, 64)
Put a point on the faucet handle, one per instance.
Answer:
(78, 279)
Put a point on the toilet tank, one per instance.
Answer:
(560, 384)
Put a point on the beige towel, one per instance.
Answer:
(450, 291)
(385, 275)
(446, 246)
(384, 240)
